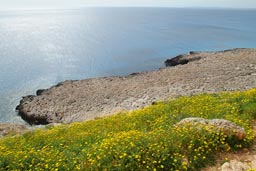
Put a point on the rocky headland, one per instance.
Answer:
(189, 74)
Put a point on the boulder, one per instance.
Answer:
(181, 60)
(234, 165)
(178, 60)
(39, 92)
(193, 52)
(228, 127)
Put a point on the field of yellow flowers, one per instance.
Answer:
(144, 139)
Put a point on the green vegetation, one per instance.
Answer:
(145, 139)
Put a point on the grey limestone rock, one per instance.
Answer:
(181, 60)
(6, 129)
(234, 165)
(79, 100)
(228, 127)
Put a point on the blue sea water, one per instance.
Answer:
(39, 48)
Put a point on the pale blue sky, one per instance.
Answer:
(162, 3)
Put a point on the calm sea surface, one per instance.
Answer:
(41, 48)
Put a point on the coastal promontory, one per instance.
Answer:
(197, 72)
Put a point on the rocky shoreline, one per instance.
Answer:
(196, 72)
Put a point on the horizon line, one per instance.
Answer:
(107, 6)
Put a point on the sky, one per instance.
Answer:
(155, 3)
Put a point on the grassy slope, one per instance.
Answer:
(144, 139)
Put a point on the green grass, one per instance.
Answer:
(144, 139)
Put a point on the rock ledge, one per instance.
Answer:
(72, 101)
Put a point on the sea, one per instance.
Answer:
(39, 48)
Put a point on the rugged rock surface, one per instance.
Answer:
(6, 129)
(182, 59)
(228, 127)
(72, 101)
(234, 165)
